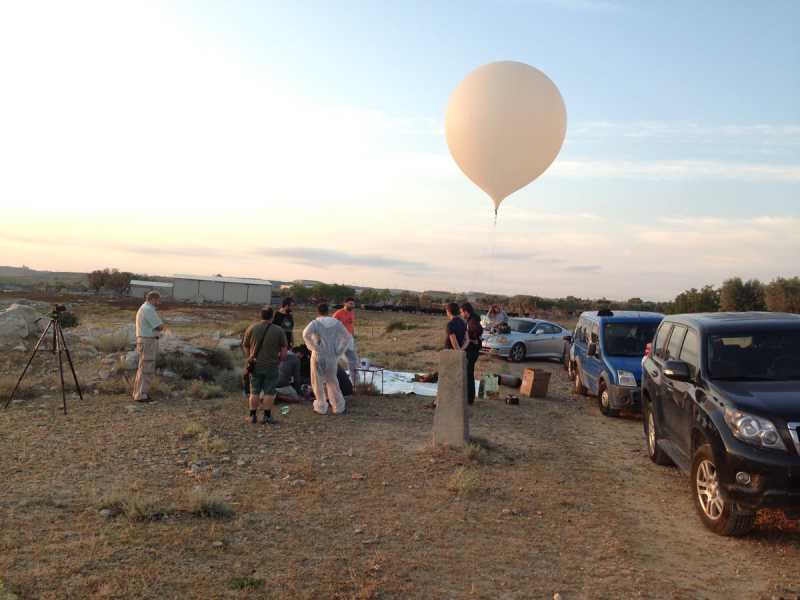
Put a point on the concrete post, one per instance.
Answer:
(450, 422)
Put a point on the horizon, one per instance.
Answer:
(292, 141)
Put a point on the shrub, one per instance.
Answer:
(475, 452)
(205, 391)
(209, 506)
(229, 381)
(399, 326)
(24, 391)
(366, 389)
(220, 359)
(238, 328)
(192, 430)
(136, 507)
(463, 482)
(113, 342)
(69, 319)
(185, 366)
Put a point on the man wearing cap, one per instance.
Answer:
(148, 327)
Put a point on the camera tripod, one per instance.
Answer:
(59, 346)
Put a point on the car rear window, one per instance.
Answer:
(755, 356)
(519, 326)
(627, 339)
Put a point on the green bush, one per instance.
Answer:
(220, 359)
(205, 390)
(184, 366)
(113, 342)
(69, 319)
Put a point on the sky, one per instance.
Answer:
(305, 140)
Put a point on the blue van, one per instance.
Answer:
(607, 351)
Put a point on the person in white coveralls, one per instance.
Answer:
(327, 339)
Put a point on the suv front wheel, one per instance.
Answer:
(715, 511)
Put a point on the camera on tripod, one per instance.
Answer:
(57, 310)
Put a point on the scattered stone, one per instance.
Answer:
(130, 361)
(358, 476)
(298, 483)
(169, 374)
(241, 463)
(229, 343)
(217, 544)
(106, 513)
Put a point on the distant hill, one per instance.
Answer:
(25, 277)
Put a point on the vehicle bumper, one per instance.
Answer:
(620, 397)
(503, 351)
(775, 479)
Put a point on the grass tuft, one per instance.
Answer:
(246, 583)
(474, 452)
(113, 342)
(209, 506)
(192, 430)
(136, 507)
(7, 383)
(464, 482)
(399, 326)
(219, 358)
(205, 391)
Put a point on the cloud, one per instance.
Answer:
(583, 268)
(320, 257)
(662, 170)
(686, 131)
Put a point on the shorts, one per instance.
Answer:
(264, 379)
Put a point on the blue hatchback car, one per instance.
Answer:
(607, 351)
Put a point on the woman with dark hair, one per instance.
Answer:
(472, 345)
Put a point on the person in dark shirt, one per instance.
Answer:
(285, 319)
(456, 329)
(472, 345)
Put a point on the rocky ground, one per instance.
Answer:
(183, 499)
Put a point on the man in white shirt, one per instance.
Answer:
(148, 327)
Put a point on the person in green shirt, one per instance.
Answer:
(266, 343)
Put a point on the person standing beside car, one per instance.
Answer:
(472, 346)
(148, 327)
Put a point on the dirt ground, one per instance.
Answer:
(551, 498)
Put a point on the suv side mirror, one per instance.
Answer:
(677, 370)
(592, 350)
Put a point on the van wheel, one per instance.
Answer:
(517, 353)
(580, 389)
(604, 400)
(651, 437)
(716, 512)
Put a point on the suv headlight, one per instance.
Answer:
(754, 430)
(626, 378)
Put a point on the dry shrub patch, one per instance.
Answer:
(399, 326)
(24, 392)
(192, 430)
(219, 358)
(113, 342)
(209, 506)
(205, 391)
(136, 507)
(464, 482)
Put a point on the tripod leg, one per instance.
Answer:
(30, 360)
(60, 368)
(69, 361)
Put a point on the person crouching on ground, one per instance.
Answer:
(265, 347)
(347, 316)
(472, 345)
(327, 339)
(148, 327)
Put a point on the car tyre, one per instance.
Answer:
(517, 353)
(604, 401)
(565, 360)
(716, 512)
(580, 389)
(651, 437)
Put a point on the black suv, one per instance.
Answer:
(721, 400)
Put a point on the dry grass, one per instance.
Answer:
(464, 482)
(202, 504)
(205, 391)
(399, 326)
(25, 391)
(136, 507)
(113, 342)
(192, 430)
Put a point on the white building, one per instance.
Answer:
(231, 290)
(140, 288)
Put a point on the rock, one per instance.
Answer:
(179, 346)
(450, 421)
(298, 483)
(217, 544)
(106, 513)
(130, 362)
(241, 463)
(229, 343)
(13, 329)
(20, 348)
(169, 374)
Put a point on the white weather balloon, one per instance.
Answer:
(505, 124)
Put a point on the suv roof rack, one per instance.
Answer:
(605, 312)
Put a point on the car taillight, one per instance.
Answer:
(648, 349)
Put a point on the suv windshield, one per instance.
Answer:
(627, 339)
(755, 356)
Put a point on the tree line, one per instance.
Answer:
(779, 295)
(111, 279)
